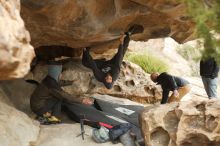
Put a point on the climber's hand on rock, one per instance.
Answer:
(87, 101)
(175, 93)
(122, 39)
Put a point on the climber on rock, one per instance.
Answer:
(107, 71)
(180, 87)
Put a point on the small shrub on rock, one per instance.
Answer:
(147, 62)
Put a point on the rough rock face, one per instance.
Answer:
(133, 83)
(16, 128)
(98, 23)
(193, 123)
(18, 92)
(15, 51)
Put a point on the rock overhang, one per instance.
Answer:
(98, 24)
(76, 24)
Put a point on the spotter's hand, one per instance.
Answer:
(176, 93)
(122, 39)
(87, 101)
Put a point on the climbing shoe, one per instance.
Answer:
(47, 120)
(54, 120)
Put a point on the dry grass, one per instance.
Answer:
(147, 62)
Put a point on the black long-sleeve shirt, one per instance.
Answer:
(169, 83)
(100, 73)
(111, 67)
(209, 68)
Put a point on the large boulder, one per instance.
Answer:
(16, 52)
(98, 23)
(16, 128)
(133, 83)
(18, 92)
(192, 123)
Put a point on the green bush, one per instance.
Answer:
(148, 63)
(206, 15)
